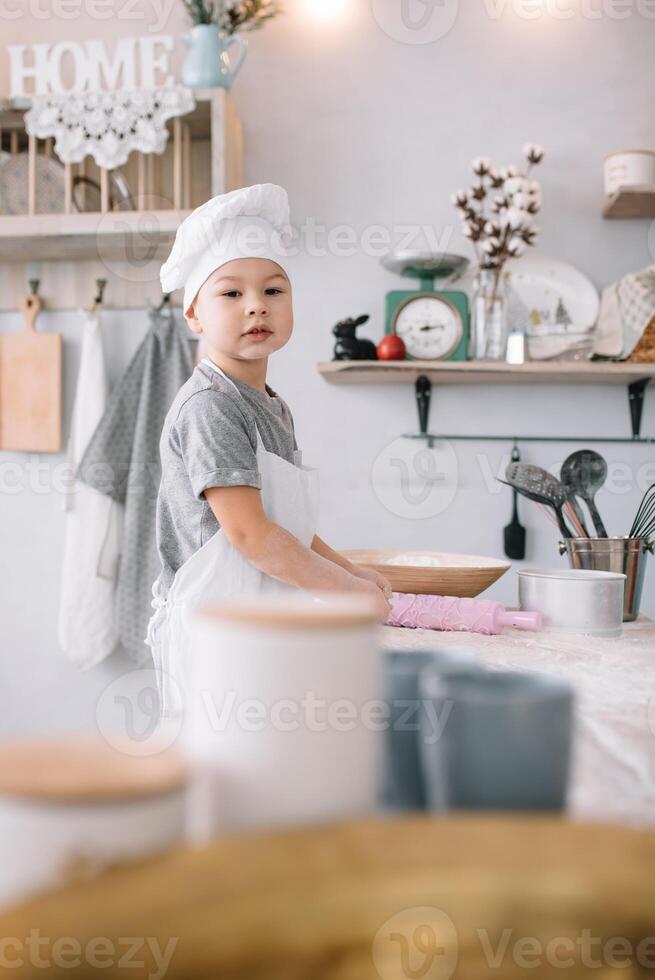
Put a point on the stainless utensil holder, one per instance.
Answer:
(627, 555)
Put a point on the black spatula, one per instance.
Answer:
(514, 532)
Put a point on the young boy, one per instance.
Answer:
(236, 511)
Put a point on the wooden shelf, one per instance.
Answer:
(483, 372)
(203, 157)
(631, 202)
(127, 235)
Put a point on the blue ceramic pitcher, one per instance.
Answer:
(207, 64)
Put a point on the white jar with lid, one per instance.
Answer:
(70, 806)
(283, 718)
(629, 168)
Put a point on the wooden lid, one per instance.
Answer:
(326, 610)
(620, 153)
(79, 767)
(335, 901)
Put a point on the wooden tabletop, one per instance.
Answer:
(345, 901)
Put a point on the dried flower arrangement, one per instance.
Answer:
(503, 231)
(239, 15)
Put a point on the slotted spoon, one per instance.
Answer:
(540, 485)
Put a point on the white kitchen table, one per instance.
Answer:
(613, 773)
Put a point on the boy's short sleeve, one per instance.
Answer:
(214, 439)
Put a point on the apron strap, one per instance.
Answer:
(215, 367)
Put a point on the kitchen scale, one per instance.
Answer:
(433, 323)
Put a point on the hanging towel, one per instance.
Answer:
(122, 461)
(87, 630)
(627, 307)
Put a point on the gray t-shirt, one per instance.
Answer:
(209, 439)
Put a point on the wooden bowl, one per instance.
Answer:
(432, 572)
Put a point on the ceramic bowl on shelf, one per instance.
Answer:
(432, 572)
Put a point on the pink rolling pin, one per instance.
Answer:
(444, 612)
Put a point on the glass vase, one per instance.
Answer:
(488, 341)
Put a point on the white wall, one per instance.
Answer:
(365, 130)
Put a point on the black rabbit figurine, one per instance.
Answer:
(349, 347)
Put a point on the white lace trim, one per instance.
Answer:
(107, 125)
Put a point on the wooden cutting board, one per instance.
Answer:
(379, 899)
(30, 386)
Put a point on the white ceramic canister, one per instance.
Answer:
(576, 600)
(70, 806)
(283, 719)
(629, 168)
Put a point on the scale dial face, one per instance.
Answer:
(430, 326)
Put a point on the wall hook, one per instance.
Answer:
(163, 307)
(100, 291)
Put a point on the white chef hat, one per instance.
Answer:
(251, 222)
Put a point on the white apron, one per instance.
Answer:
(218, 570)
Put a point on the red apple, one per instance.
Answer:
(391, 348)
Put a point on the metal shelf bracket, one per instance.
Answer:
(423, 389)
(636, 391)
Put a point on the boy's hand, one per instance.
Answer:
(360, 571)
(364, 586)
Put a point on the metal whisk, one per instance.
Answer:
(644, 523)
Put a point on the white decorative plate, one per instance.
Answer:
(549, 293)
